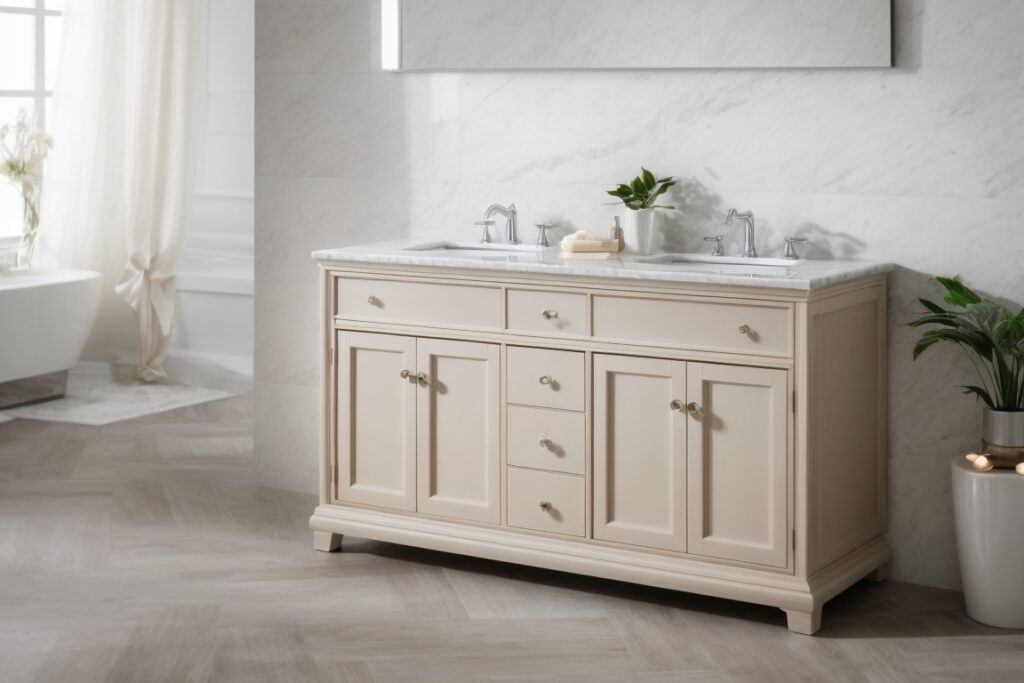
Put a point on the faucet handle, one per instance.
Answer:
(486, 225)
(717, 239)
(791, 243)
(542, 236)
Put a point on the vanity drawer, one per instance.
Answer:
(547, 312)
(418, 302)
(545, 501)
(546, 379)
(720, 325)
(547, 439)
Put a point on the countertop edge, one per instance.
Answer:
(819, 274)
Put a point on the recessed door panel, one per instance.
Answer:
(376, 438)
(639, 451)
(458, 429)
(737, 463)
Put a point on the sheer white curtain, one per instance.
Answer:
(126, 117)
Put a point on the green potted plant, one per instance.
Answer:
(640, 196)
(988, 489)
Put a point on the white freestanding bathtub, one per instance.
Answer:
(45, 320)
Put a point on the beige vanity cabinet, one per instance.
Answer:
(640, 451)
(692, 457)
(376, 419)
(725, 439)
(737, 463)
(419, 425)
(458, 442)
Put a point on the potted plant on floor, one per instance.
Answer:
(988, 489)
(640, 196)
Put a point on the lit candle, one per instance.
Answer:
(982, 464)
(1020, 468)
(971, 457)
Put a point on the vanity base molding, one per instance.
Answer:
(726, 440)
(800, 599)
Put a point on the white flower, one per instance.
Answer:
(23, 148)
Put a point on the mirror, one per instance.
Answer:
(449, 35)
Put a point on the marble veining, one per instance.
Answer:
(921, 165)
(803, 275)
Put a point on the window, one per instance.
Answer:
(29, 38)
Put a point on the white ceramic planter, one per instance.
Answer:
(641, 231)
(989, 511)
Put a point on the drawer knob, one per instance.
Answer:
(544, 505)
(745, 329)
(546, 379)
(545, 443)
(549, 315)
(373, 301)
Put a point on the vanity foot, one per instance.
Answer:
(806, 623)
(326, 542)
(880, 574)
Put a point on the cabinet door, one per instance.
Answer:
(640, 451)
(376, 438)
(459, 440)
(737, 446)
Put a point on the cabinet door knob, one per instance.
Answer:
(545, 443)
(676, 405)
(421, 377)
(692, 408)
(373, 301)
(548, 315)
(544, 505)
(546, 379)
(405, 374)
(745, 329)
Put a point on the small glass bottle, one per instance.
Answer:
(617, 233)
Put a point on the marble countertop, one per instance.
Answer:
(802, 275)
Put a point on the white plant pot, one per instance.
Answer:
(989, 512)
(641, 230)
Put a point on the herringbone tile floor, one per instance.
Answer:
(144, 551)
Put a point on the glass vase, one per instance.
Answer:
(30, 227)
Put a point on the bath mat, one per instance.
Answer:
(101, 393)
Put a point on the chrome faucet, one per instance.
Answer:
(749, 250)
(510, 213)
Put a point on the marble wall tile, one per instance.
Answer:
(287, 334)
(311, 38)
(922, 165)
(286, 436)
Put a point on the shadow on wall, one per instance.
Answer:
(702, 214)
(929, 422)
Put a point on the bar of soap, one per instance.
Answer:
(590, 245)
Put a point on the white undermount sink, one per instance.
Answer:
(728, 265)
(445, 245)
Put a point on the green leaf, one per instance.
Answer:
(980, 393)
(946, 319)
(923, 344)
(934, 308)
(959, 294)
(639, 188)
(649, 181)
(663, 189)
